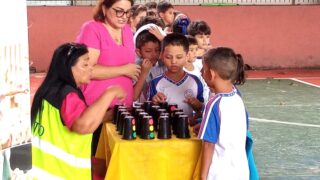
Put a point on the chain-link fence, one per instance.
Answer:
(176, 2)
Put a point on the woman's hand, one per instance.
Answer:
(132, 71)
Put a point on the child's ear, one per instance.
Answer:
(161, 15)
(138, 52)
(212, 74)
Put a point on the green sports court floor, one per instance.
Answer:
(285, 122)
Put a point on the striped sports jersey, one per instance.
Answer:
(177, 92)
(224, 124)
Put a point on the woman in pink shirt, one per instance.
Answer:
(111, 50)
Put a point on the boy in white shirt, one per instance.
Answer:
(190, 68)
(175, 85)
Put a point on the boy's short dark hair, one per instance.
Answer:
(151, 5)
(198, 27)
(175, 39)
(144, 37)
(192, 40)
(147, 20)
(163, 6)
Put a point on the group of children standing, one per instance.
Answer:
(174, 63)
(181, 67)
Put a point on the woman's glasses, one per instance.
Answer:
(120, 13)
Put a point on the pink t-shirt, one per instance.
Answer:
(95, 35)
(71, 108)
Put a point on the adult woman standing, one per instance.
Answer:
(111, 50)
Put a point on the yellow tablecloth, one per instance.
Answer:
(149, 159)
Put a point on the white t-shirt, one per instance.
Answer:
(224, 123)
(198, 63)
(177, 92)
(197, 72)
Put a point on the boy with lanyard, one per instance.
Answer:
(148, 52)
(175, 85)
(147, 41)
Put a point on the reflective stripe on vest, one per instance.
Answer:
(60, 154)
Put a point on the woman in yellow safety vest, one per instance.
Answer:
(62, 123)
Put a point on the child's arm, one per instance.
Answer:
(194, 103)
(196, 118)
(153, 95)
(196, 129)
(92, 116)
(207, 153)
(145, 69)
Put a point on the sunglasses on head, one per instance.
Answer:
(73, 46)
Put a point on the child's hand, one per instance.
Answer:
(192, 121)
(196, 129)
(159, 97)
(118, 92)
(194, 103)
(156, 32)
(146, 66)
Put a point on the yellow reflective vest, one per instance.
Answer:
(57, 152)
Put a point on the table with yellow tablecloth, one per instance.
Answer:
(155, 159)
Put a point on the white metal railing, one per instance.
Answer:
(176, 2)
(307, 1)
(48, 3)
